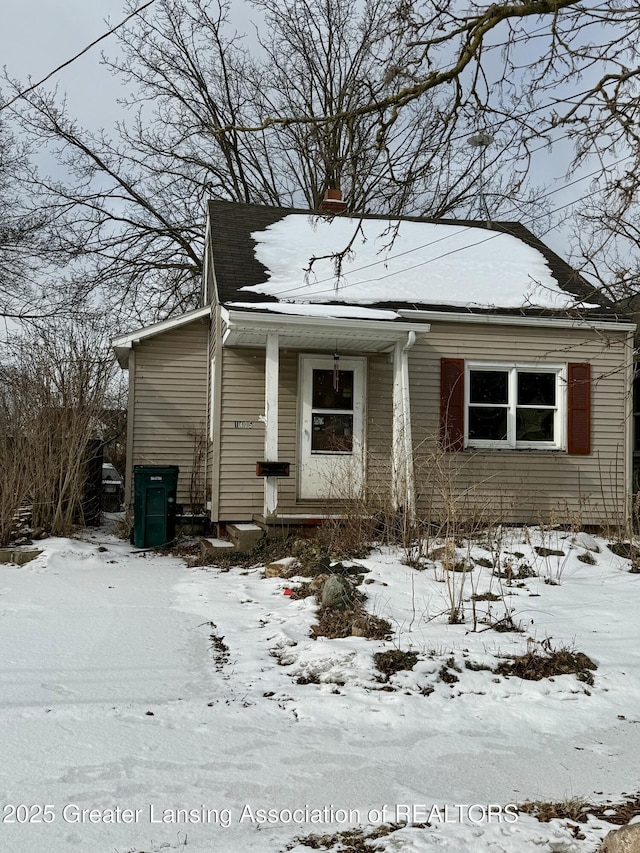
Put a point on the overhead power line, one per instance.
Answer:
(77, 56)
(299, 289)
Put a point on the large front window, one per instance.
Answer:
(514, 406)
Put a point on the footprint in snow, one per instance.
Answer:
(58, 688)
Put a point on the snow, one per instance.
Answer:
(412, 262)
(307, 310)
(133, 687)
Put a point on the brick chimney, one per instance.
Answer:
(332, 202)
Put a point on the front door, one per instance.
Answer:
(332, 427)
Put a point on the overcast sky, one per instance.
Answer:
(39, 35)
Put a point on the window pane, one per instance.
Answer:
(488, 386)
(534, 425)
(487, 423)
(332, 433)
(536, 389)
(325, 396)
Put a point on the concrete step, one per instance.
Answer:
(245, 536)
(212, 547)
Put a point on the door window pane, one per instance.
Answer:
(325, 395)
(332, 433)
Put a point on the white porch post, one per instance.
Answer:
(271, 421)
(402, 479)
(397, 432)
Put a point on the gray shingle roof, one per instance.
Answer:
(236, 266)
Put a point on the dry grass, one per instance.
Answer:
(573, 809)
(394, 660)
(336, 624)
(347, 841)
(535, 665)
(619, 813)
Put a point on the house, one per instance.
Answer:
(413, 362)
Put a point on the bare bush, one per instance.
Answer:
(14, 475)
(55, 387)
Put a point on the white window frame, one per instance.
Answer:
(512, 369)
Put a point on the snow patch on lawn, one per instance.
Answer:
(131, 682)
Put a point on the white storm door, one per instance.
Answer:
(331, 462)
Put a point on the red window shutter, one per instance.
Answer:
(579, 408)
(452, 404)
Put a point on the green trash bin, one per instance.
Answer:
(154, 504)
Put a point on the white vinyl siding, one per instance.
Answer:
(523, 485)
(514, 485)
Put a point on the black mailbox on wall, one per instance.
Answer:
(272, 469)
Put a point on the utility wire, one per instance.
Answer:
(77, 56)
(491, 126)
(531, 220)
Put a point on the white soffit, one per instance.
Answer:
(250, 329)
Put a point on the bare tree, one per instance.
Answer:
(131, 210)
(22, 248)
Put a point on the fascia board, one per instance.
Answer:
(122, 343)
(513, 320)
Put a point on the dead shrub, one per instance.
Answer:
(536, 665)
(394, 660)
(618, 813)
(350, 840)
(312, 556)
(447, 676)
(123, 528)
(506, 625)
(372, 627)
(56, 380)
(350, 535)
(626, 550)
(304, 590)
(336, 624)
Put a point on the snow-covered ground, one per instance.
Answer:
(148, 706)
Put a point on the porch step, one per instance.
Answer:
(211, 546)
(245, 537)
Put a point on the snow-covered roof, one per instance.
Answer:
(407, 261)
(312, 310)
(263, 254)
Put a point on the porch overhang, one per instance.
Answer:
(250, 328)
